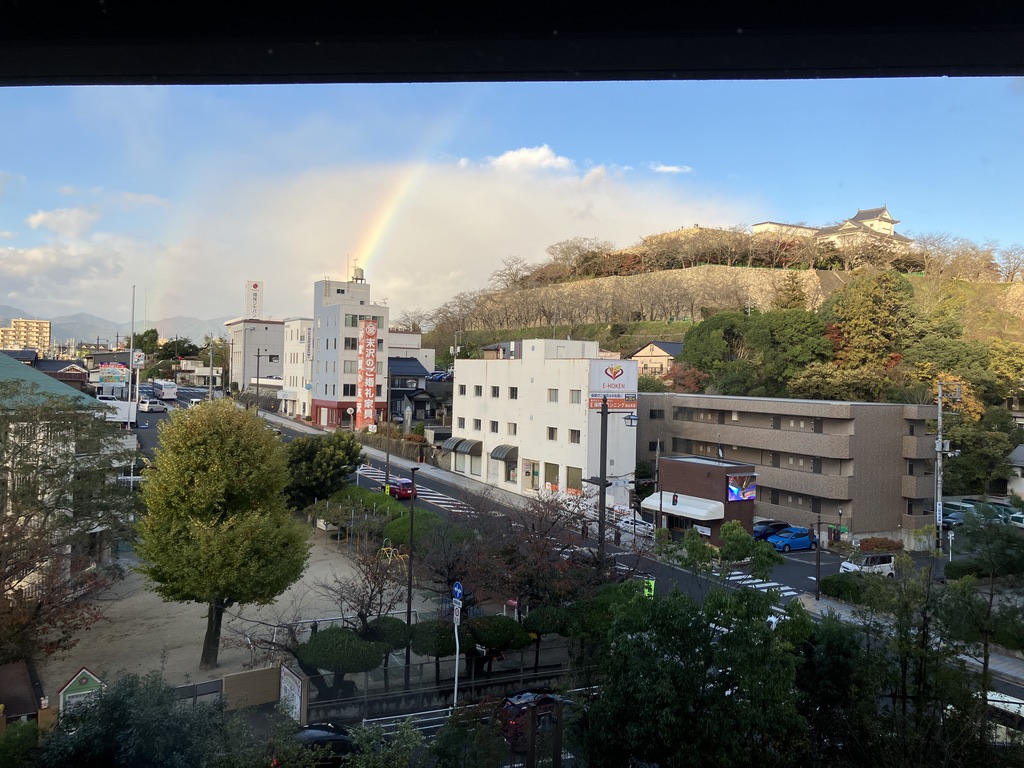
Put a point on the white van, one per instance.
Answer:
(195, 401)
(882, 563)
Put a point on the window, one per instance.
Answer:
(478, 391)
(478, 424)
(574, 435)
(462, 389)
(461, 422)
(552, 395)
(495, 391)
(575, 396)
(351, 342)
(552, 433)
(513, 393)
(494, 427)
(350, 366)
(657, 413)
(511, 428)
(348, 390)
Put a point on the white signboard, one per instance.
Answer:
(138, 358)
(616, 379)
(254, 298)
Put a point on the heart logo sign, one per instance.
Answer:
(614, 371)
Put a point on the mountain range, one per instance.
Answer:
(89, 328)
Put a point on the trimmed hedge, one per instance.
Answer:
(848, 587)
(880, 544)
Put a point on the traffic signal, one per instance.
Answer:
(675, 499)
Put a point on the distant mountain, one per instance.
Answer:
(85, 327)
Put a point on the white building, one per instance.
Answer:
(530, 421)
(257, 349)
(297, 384)
(338, 306)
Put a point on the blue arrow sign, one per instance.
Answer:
(457, 590)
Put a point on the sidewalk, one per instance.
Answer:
(1001, 665)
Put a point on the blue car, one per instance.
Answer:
(793, 538)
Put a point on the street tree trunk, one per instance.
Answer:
(211, 643)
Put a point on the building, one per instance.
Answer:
(870, 225)
(529, 420)
(866, 468)
(257, 350)
(71, 372)
(26, 334)
(338, 309)
(297, 381)
(198, 373)
(407, 393)
(654, 359)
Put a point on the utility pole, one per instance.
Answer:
(408, 565)
(602, 490)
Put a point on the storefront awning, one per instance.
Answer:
(451, 443)
(471, 447)
(692, 507)
(505, 453)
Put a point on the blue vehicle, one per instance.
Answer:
(793, 539)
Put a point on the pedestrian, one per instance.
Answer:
(618, 537)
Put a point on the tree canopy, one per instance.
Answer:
(319, 466)
(218, 530)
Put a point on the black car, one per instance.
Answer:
(513, 713)
(334, 741)
(766, 528)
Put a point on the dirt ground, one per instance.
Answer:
(139, 632)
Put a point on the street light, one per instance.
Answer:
(817, 563)
(941, 448)
(408, 565)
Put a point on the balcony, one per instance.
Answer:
(917, 486)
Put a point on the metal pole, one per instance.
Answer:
(817, 563)
(602, 491)
(938, 477)
(211, 367)
(408, 565)
(131, 364)
(657, 484)
(258, 355)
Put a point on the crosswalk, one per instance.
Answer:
(436, 498)
(740, 579)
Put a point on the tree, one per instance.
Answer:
(148, 341)
(790, 294)
(58, 509)
(140, 721)
(176, 348)
(339, 651)
(372, 588)
(647, 383)
(436, 637)
(218, 530)
(374, 749)
(319, 466)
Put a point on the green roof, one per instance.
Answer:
(40, 383)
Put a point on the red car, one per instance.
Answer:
(401, 488)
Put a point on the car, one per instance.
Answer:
(195, 401)
(882, 563)
(637, 526)
(401, 488)
(274, 378)
(514, 708)
(793, 539)
(1016, 520)
(153, 406)
(335, 741)
(765, 528)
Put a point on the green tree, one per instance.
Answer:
(58, 508)
(176, 348)
(374, 749)
(148, 341)
(218, 530)
(140, 721)
(498, 634)
(651, 384)
(436, 637)
(392, 632)
(790, 293)
(340, 651)
(471, 736)
(319, 466)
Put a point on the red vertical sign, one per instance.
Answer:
(366, 376)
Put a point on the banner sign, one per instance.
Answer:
(366, 375)
(254, 298)
(616, 379)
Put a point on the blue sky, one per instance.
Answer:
(188, 192)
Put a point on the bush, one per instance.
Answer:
(17, 744)
(960, 568)
(848, 587)
(880, 544)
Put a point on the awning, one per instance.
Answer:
(692, 507)
(451, 443)
(505, 453)
(472, 447)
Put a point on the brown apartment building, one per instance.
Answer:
(866, 468)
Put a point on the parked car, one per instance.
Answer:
(514, 709)
(192, 403)
(1017, 520)
(793, 539)
(153, 406)
(882, 563)
(401, 488)
(334, 741)
(637, 526)
(765, 528)
(952, 519)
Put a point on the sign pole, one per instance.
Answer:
(457, 614)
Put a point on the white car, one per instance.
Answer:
(152, 406)
(882, 563)
(1017, 520)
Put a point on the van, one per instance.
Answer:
(195, 401)
(882, 563)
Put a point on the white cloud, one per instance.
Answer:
(531, 159)
(662, 168)
(131, 199)
(7, 234)
(69, 223)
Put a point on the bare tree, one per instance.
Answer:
(1011, 263)
(513, 274)
(413, 319)
(373, 587)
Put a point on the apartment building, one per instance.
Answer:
(297, 378)
(866, 468)
(26, 334)
(257, 349)
(528, 420)
(338, 308)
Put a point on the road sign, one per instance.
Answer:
(456, 602)
(457, 590)
(620, 483)
(458, 615)
(649, 588)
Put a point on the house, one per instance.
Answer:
(407, 393)
(654, 359)
(865, 468)
(71, 372)
(1015, 484)
(869, 225)
(529, 421)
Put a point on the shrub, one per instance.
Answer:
(880, 544)
(960, 568)
(844, 586)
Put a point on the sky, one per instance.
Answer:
(189, 192)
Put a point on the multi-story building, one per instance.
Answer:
(866, 468)
(26, 334)
(297, 383)
(529, 419)
(338, 308)
(257, 350)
